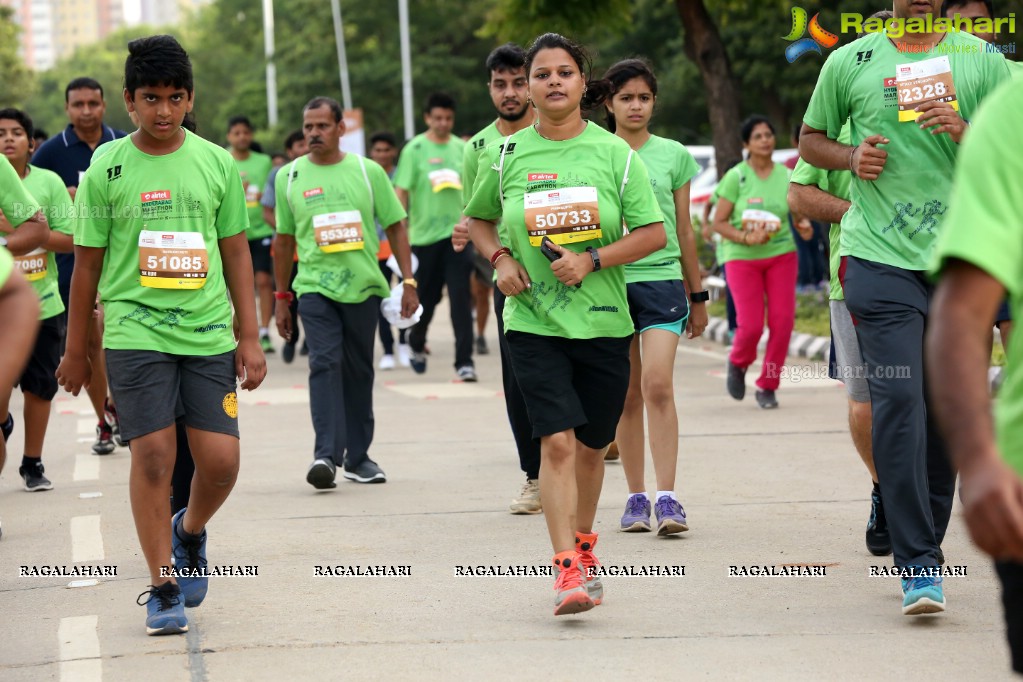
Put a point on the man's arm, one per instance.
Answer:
(402, 195)
(269, 217)
(397, 236)
(60, 242)
(26, 237)
(958, 355)
(19, 309)
(865, 161)
(284, 265)
(810, 201)
(250, 363)
(74, 371)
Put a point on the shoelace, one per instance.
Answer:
(528, 488)
(569, 579)
(637, 504)
(666, 506)
(921, 581)
(194, 559)
(168, 599)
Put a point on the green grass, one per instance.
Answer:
(812, 315)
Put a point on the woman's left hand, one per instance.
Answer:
(571, 267)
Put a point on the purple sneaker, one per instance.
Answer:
(636, 518)
(671, 517)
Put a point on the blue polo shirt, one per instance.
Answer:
(69, 157)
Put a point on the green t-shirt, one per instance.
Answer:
(835, 182)
(330, 210)
(894, 220)
(16, 202)
(572, 187)
(6, 265)
(473, 151)
(431, 174)
(757, 201)
(984, 227)
(40, 266)
(1015, 69)
(670, 166)
(254, 171)
(160, 219)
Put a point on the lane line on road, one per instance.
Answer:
(86, 427)
(86, 539)
(79, 649)
(86, 467)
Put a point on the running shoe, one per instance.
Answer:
(584, 543)
(570, 594)
(418, 362)
(189, 556)
(481, 346)
(34, 479)
(404, 355)
(266, 344)
(528, 501)
(7, 428)
(165, 614)
(923, 594)
(366, 471)
(636, 518)
(467, 373)
(110, 417)
(766, 400)
(879, 541)
(104, 444)
(386, 363)
(288, 353)
(321, 474)
(671, 517)
(611, 454)
(304, 350)
(736, 381)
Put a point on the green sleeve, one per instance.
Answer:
(59, 208)
(639, 205)
(486, 195)
(285, 218)
(6, 266)
(15, 201)
(233, 214)
(404, 174)
(829, 107)
(982, 226)
(805, 174)
(685, 170)
(94, 212)
(388, 209)
(470, 162)
(728, 188)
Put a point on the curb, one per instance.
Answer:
(801, 345)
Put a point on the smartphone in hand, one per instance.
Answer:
(550, 254)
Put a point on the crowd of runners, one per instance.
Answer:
(160, 261)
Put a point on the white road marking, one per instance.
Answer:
(89, 496)
(439, 391)
(86, 467)
(86, 539)
(79, 649)
(87, 426)
(92, 582)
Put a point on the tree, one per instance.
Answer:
(18, 82)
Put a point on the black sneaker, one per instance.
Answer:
(104, 444)
(766, 400)
(34, 479)
(365, 471)
(321, 474)
(736, 381)
(481, 346)
(304, 350)
(879, 541)
(7, 427)
(110, 417)
(288, 353)
(941, 557)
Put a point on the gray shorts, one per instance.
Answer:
(849, 365)
(151, 389)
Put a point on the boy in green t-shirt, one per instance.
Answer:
(254, 168)
(38, 381)
(161, 233)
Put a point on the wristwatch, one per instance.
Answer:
(699, 296)
(411, 282)
(595, 257)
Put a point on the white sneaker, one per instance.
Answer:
(404, 355)
(386, 362)
(528, 501)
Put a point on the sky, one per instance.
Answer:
(132, 11)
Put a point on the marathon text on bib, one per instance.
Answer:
(32, 265)
(755, 219)
(340, 231)
(172, 260)
(922, 82)
(566, 215)
(445, 178)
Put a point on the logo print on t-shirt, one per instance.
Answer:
(156, 203)
(113, 173)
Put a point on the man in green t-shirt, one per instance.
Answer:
(38, 382)
(327, 202)
(912, 97)
(429, 185)
(255, 168)
(980, 259)
(161, 232)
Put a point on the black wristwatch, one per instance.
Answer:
(595, 257)
(699, 296)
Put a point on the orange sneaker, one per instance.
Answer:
(570, 595)
(584, 543)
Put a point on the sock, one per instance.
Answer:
(264, 331)
(27, 461)
(669, 493)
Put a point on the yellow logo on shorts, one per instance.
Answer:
(231, 405)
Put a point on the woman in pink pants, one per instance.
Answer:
(760, 261)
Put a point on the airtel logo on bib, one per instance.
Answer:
(158, 195)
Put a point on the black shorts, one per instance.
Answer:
(1011, 576)
(661, 304)
(40, 375)
(572, 384)
(260, 251)
(151, 389)
(1004, 314)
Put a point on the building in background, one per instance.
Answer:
(167, 12)
(53, 29)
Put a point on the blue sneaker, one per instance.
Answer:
(671, 517)
(636, 518)
(189, 558)
(165, 614)
(923, 595)
(418, 362)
